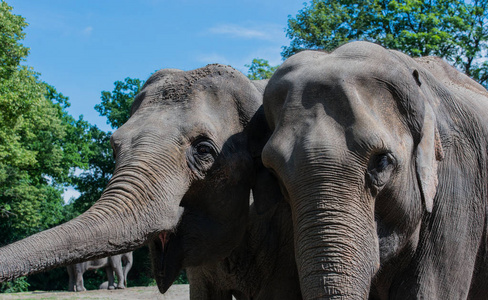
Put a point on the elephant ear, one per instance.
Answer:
(265, 189)
(429, 152)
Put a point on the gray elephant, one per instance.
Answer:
(117, 265)
(384, 161)
(186, 162)
(262, 267)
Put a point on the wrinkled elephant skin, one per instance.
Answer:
(384, 161)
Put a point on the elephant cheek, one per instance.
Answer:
(398, 217)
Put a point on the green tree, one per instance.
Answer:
(11, 51)
(39, 152)
(260, 69)
(116, 105)
(472, 41)
(454, 30)
(40, 143)
(94, 179)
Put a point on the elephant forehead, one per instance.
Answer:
(181, 124)
(364, 61)
(181, 86)
(338, 108)
(345, 86)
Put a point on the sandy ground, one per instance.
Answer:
(176, 292)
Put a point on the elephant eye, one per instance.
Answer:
(380, 169)
(203, 149)
(383, 161)
(201, 156)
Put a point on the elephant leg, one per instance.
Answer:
(120, 277)
(110, 276)
(128, 265)
(116, 264)
(71, 275)
(80, 287)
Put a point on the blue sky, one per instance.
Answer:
(83, 47)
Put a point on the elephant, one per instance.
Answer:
(262, 267)
(384, 161)
(186, 162)
(119, 265)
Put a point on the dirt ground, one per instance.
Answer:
(176, 292)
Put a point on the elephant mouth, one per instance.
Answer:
(167, 257)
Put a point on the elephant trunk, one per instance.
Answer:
(137, 204)
(62, 245)
(334, 242)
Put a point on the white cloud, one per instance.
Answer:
(87, 31)
(251, 30)
(239, 31)
(267, 40)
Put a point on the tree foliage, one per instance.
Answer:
(40, 144)
(92, 181)
(11, 51)
(38, 151)
(454, 30)
(116, 105)
(260, 69)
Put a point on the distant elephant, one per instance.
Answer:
(118, 265)
(186, 162)
(384, 161)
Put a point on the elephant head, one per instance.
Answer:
(356, 147)
(185, 165)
